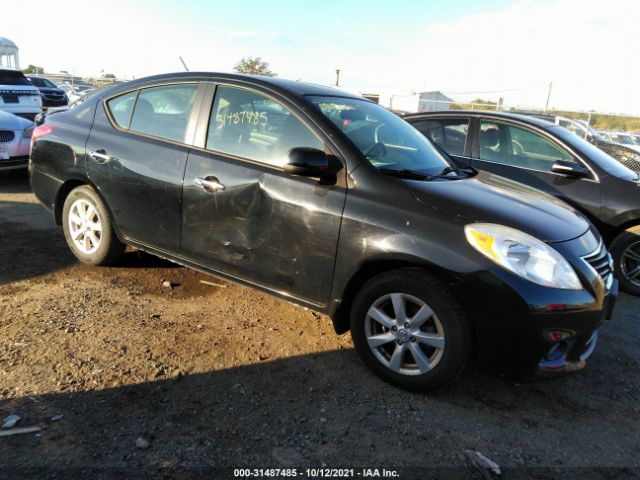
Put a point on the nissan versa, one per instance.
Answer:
(334, 203)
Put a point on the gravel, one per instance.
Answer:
(222, 375)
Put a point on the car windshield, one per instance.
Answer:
(10, 77)
(382, 137)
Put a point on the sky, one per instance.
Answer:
(510, 49)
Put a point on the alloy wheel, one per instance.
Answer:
(85, 226)
(404, 334)
(630, 263)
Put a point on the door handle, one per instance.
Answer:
(100, 156)
(209, 184)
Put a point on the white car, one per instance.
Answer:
(75, 92)
(15, 141)
(18, 95)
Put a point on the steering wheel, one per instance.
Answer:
(517, 147)
(376, 133)
(378, 149)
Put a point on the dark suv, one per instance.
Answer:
(52, 96)
(553, 159)
(334, 203)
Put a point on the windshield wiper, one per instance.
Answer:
(405, 173)
(414, 175)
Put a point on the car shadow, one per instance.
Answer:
(14, 181)
(30, 243)
(317, 409)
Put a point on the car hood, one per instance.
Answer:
(9, 121)
(493, 199)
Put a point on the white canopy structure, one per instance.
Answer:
(8, 54)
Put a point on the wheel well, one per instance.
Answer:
(621, 228)
(64, 191)
(366, 272)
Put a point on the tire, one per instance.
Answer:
(444, 338)
(625, 250)
(88, 229)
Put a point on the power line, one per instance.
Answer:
(497, 91)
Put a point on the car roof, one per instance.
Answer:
(484, 113)
(293, 87)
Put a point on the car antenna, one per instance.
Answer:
(183, 64)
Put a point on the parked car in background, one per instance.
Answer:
(52, 96)
(625, 139)
(334, 203)
(552, 159)
(18, 95)
(15, 138)
(75, 92)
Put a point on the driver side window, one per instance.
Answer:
(250, 125)
(520, 147)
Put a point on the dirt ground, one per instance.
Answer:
(221, 376)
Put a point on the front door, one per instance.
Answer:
(136, 156)
(243, 215)
(526, 156)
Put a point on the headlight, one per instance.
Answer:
(28, 131)
(523, 255)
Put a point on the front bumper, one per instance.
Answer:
(49, 102)
(15, 154)
(527, 330)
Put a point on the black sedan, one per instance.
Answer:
(52, 96)
(550, 158)
(292, 189)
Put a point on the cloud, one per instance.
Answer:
(589, 50)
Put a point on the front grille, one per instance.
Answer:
(601, 262)
(6, 136)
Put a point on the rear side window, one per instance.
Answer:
(249, 125)
(10, 77)
(519, 147)
(164, 111)
(450, 134)
(121, 108)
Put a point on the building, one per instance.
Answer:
(9, 54)
(433, 101)
(405, 101)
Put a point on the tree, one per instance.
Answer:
(255, 66)
(108, 75)
(33, 69)
(477, 104)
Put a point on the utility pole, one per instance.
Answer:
(183, 64)
(546, 107)
(337, 77)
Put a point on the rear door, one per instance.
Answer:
(525, 154)
(136, 156)
(452, 134)
(243, 215)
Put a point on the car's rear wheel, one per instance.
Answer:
(87, 228)
(411, 330)
(625, 250)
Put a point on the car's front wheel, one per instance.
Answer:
(87, 228)
(625, 250)
(411, 330)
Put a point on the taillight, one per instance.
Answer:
(40, 131)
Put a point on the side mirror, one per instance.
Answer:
(570, 169)
(311, 162)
